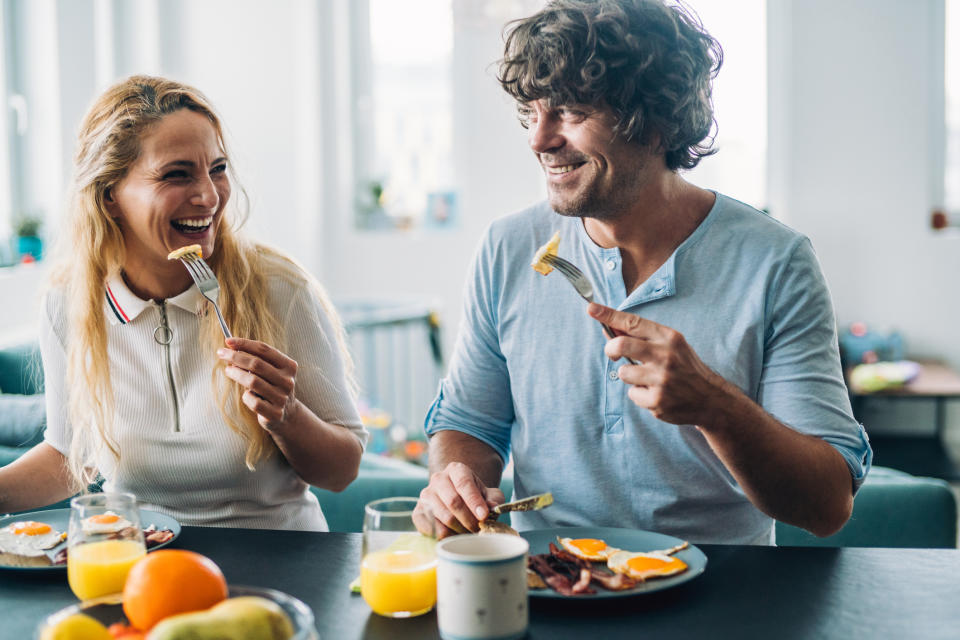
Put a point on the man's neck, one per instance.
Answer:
(664, 214)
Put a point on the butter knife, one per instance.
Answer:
(533, 503)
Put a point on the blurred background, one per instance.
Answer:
(376, 146)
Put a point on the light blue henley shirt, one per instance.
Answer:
(529, 376)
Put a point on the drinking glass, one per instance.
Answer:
(104, 540)
(398, 573)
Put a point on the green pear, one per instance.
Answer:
(242, 618)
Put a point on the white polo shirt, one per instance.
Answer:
(178, 455)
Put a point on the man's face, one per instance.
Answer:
(590, 172)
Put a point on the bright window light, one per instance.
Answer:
(951, 177)
(740, 100)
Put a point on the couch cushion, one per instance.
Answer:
(892, 509)
(20, 369)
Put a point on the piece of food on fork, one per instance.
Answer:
(539, 264)
(176, 254)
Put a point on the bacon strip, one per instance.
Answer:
(607, 580)
(559, 583)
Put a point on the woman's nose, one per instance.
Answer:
(206, 195)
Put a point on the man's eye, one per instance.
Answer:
(571, 113)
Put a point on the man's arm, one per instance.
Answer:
(464, 480)
(792, 477)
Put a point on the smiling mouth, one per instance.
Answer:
(565, 168)
(191, 226)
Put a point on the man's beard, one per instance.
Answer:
(588, 202)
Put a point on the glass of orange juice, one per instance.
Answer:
(104, 540)
(398, 573)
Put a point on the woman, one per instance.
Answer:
(140, 384)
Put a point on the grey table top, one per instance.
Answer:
(746, 592)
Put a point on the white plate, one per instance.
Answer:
(626, 539)
(59, 519)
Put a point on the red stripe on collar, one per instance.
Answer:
(116, 305)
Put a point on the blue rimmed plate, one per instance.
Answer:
(59, 519)
(628, 540)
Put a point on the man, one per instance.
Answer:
(736, 412)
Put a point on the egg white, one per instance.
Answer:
(596, 556)
(661, 565)
(91, 526)
(22, 544)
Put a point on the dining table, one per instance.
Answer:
(744, 592)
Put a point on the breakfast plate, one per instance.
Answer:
(626, 539)
(59, 519)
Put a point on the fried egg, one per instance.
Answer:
(106, 522)
(588, 548)
(643, 566)
(539, 264)
(28, 538)
(182, 251)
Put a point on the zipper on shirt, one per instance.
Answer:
(163, 335)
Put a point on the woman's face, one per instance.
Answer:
(172, 196)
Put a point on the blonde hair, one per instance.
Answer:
(91, 250)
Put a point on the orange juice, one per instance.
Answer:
(100, 568)
(399, 583)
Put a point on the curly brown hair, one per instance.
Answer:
(652, 63)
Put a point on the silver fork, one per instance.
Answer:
(206, 281)
(581, 284)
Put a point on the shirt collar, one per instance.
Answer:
(122, 305)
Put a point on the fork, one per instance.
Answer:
(206, 281)
(581, 284)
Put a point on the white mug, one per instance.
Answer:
(482, 587)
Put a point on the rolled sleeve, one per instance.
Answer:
(802, 381)
(475, 397)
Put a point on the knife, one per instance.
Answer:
(533, 503)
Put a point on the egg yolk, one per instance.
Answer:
(645, 563)
(589, 545)
(104, 518)
(30, 528)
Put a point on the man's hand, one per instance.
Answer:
(669, 378)
(456, 499)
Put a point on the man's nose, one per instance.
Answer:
(544, 134)
(206, 194)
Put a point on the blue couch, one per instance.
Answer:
(893, 509)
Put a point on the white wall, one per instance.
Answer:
(855, 128)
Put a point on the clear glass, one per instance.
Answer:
(105, 540)
(398, 573)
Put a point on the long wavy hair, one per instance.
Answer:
(91, 250)
(652, 63)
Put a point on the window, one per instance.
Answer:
(403, 114)
(951, 174)
(740, 100)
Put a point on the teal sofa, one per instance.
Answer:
(893, 509)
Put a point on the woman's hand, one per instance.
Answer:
(269, 377)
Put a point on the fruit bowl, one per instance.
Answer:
(108, 610)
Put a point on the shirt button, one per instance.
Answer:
(611, 265)
(613, 375)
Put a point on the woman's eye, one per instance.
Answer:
(177, 174)
(220, 168)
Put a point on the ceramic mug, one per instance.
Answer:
(482, 586)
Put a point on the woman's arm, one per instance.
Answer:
(325, 455)
(37, 478)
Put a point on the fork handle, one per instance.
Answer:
(607, 331)
(223, 325)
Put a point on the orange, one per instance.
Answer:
(168, 582)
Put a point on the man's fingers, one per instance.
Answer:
(621, 321)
